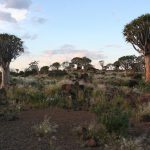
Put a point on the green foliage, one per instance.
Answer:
(30, 72)
(8, 114)
(44, 70)
(144, 87)
(27, 95)
(98, 132)
(11, 47)
(55, 66)
(81, 62)
(127, 61)
(54, 96)
(57, 73)
(113, 114)
(138, 76)
(137, 31)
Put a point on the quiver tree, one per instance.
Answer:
(65, 65)
(126, 62)
(55, 66)
(44, 70)
(82, 63)
(10, 48)
(86, 62)
(138, 66)
(33, 67)
(101, 62)
(77, 61)
(116, 65)
(137, 32)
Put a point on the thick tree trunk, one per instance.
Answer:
(5, 77)
(147, 68)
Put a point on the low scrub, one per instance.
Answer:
(114, 114)
(45, 128)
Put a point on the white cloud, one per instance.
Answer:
(38, 20)
(113, 46)
(28, 36)
(70, 49)
(60, 55)
(19, 14)
(16, 14)
(5, 16)
(17, 4)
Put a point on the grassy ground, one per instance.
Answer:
(114, 96)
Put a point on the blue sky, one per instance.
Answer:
(58, 30)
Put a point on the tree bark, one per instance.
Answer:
(5, 76)
(147, 68)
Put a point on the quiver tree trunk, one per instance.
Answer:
(5, 76)
(147, 68)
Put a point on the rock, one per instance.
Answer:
(91, 143)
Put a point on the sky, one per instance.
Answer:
(58, 30)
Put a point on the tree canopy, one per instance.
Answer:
(127, 61)
(137, 32)
(55, 66)
(10, 47)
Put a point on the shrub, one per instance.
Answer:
(132, 83)
(120, 143)
(144, 113)
(3, 97)
(8, 114)
(94, 132)
(144, 87)
(27, 95)
(57, 73)
(137, 76)
(54, 96)
(114, 115)
(45, 128)
(98, 132)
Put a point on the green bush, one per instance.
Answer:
(54, 96)
(27, 95)
(143, 86)
(137, 76)
(113, 114)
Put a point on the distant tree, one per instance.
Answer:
(33, 69)
(137, 32)
(101, 62)
(116, 65)
(77, 61)
(44, 70)
(86, 63)
(70, 67)
(82, 63)
(90, 67)
(34, 66)
(138, 66)
(10, 48)
(127, 61)
(55, 66)
(21, 73)
(65, 64)
(17, 70)
(109, 66)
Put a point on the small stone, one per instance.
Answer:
(91, 143)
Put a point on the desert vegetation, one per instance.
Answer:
(73, 105)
